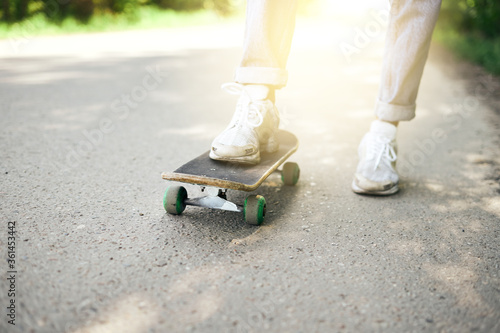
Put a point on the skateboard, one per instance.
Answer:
(205, 172)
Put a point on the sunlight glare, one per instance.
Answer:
(357, 7)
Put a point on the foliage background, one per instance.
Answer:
(469, 27)
(472, 29)
(57, 10)
(477, 16)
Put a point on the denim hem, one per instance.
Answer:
(276, 77)
(393, 112)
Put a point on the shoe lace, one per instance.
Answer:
(248, 109)
(382, 149)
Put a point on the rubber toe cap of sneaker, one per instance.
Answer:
(364, 185)
(241, 154)
(233, 151)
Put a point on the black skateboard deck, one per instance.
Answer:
(228, 175)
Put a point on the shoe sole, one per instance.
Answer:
(358, 190)
(249, 159)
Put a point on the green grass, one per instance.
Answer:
(482, 51)
(143, 18)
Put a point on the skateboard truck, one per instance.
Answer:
(222, 194)
(218, 201)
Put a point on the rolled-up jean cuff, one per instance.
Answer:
(276, 77)
(393, 112)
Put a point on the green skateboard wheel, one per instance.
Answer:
(254, 209)
(173, 200)
(290, 174)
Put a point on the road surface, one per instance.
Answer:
(89, 123)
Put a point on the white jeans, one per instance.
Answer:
(268, 37)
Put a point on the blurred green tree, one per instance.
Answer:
(20, 9)
(5, 11)
(57, 10)
(223, 7)
(82, 9)
(14, 10)
(476, 16)
(481, 17)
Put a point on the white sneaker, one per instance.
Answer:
(376, 173)
(252, 129)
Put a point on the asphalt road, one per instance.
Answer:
(89, 122)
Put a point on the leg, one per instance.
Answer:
(268, 37)
(407, 45)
